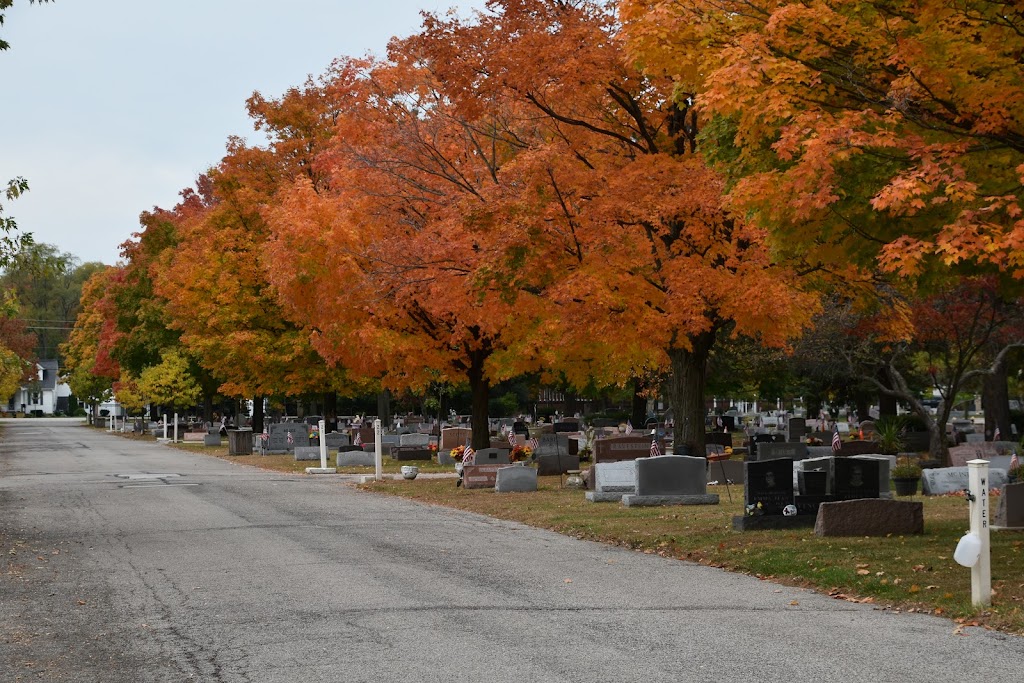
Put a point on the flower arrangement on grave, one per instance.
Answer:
(812, 441)
(457, 453)
(520, 454)
(906, 469)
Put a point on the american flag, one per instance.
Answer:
(533, 444)
(291, 438)
(358, 441)
(468, 455)
(1014, 462)
(996, 436)
(512, 440)
(629, 427)
(655, 449)
(837, 442)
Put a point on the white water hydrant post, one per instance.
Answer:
(981, 572)
(165, 426)
(323, 444)
(378, 456)
(175, 428)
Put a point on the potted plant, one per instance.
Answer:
(906, 475)
(889, 435)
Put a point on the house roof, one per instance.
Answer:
(50, 369)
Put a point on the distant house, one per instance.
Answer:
(46, 394)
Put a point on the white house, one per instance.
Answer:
(46, 393)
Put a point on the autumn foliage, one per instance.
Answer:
(592, 191)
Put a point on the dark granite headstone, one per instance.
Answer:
(671, 475)
(566, 427)
(812, 482)
(771, 451)
(797, 429)
(411, 453)
(770, 483)
(855, 478)
(718, 439)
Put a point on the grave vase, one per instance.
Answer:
(906, 486)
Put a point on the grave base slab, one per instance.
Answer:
(761, 522)
(602, 497)
(633, 500)
(321, 470)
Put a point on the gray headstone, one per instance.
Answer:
(552, 444)
(1010, 511)
(726, 471)
(615, 477)
(414, 440)
(939, 480)
(556, 463)
(336, 440)
(975, 438)
(211, 439)
(307, 453)
(515, 478)
(491, 456)
(671, 475)
(355, 459)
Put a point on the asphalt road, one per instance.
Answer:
(134, 562)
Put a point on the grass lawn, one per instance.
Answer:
(909, 573)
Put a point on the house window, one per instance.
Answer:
(35, 398)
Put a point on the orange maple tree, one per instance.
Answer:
(393, 261)
(858, 130)
(644, 266)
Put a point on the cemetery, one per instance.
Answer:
(769, 493)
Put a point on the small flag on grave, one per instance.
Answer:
(358, 441)
(837, 442)
(629, 427)
(512, 440)
(291, 438)
(655, 449)
(468, 455)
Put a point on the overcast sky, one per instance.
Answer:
(111, 107)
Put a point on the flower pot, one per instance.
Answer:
(906, 486)
(410, 471)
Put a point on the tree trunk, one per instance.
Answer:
(887, 403)
(384, 408)
(207, 406)
(686, 392)
(480, 387)
(331, 410)
(995, 400)
(257, 414)
(638, 413)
